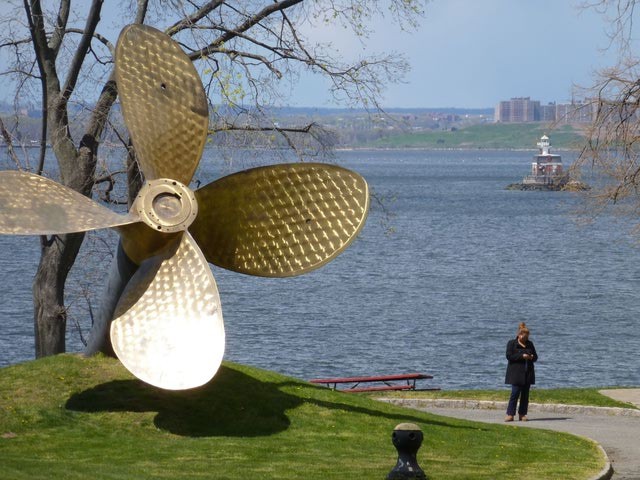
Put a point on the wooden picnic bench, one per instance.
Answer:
(387, 382)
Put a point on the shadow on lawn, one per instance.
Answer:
(235, 404)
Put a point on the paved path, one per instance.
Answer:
(629, 395)
(616, 430)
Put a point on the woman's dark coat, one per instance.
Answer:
(519, 370)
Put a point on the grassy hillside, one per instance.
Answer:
(492, 135)
(66, 417)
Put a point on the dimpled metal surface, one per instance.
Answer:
(163, 103)
(141, 242)
(280, 220)
(168, 328)
(34, 205)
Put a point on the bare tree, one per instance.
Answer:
(611, 154)
(248, 53)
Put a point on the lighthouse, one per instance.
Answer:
(546, 167)
(547, 172)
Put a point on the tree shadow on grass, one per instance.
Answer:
(235, 404)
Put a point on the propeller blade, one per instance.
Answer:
(167, 328)
(280, 220)
(34, 205)
(163, 103)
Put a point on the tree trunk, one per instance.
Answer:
(58, 254)
(50, 315)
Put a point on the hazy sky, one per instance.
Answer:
(474, 53)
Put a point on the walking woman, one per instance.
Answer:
(521, 374)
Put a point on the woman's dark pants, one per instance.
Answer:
(521, 391)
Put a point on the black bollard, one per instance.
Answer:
(407, 438)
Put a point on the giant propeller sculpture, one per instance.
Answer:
(282, 220)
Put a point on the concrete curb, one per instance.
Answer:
(607, 471)
(492, 405)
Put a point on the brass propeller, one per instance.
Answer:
(168, 326)
(280, 220)
(34, 205)
(276, 221)
(163, 103)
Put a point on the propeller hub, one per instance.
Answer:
(166, 205)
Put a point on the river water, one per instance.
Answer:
(446, 267)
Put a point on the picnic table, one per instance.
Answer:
(403, 381)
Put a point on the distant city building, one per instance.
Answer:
(576, 112)
(518, 109)
(548, 112)
(502, 112)
(523, 109)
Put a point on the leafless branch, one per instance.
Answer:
(8, 140)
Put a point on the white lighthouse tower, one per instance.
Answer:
(544, 145)
(546, 167)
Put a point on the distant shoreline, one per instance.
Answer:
(451, 149)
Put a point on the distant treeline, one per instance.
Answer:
(489, 136)
(399, 128)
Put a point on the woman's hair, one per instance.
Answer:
(522, 329)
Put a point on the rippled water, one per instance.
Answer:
(447, 265)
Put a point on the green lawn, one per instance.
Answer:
(67, 417)
(567, 396)
(491, 135)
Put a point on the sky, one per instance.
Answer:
(474, 53)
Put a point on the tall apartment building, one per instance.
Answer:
(548, 112)
(576, 112)
(518, 109)
(523, 109)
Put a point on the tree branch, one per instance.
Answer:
(46, 65)
(60, 25)
(8, 140)
(82, 49)
(250, 22)
(192, 20)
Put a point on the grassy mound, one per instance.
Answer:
(68, 417)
